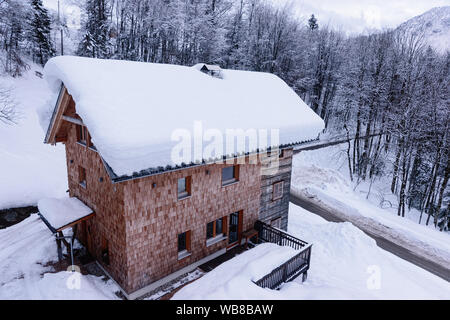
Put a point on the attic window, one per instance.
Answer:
(81, 134)
(212, 70)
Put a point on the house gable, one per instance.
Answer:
(64, 113)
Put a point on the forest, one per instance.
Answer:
(385, 91)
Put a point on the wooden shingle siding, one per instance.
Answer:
(105, 199)
(271, 209)
(154, 217)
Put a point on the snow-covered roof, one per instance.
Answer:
(132, 109)
(64, 211)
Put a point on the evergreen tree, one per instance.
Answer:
(39, 33)
(95, 41)
(312, 22)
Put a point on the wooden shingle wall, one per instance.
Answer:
(154, 217)
(273, 209)
(106, 199)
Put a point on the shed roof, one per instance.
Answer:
(63, 213)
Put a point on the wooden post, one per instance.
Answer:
(58, 245)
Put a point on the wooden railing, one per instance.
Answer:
(291, 269)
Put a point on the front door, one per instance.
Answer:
(234, 228)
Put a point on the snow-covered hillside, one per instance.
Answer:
(434, 25)
(29, 169)
(322, 175)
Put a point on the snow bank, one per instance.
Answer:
(317, 175)
(345, 264)
(133, 108)
(233, 279)
(61, 212)
(25, 249)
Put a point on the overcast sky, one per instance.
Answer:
(356, 16)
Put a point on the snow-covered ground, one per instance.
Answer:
(25, 250)
(29, 169)
(345, 264)
(322, 175)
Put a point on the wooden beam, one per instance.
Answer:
(76, 222)
(73, 120)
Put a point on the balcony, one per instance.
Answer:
(291, 269)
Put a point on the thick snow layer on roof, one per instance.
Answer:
(61, 212)
(132, 108)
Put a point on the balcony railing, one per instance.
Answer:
(291, 269)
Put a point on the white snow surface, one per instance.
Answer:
(26, 249)
(29, 169)
(233, 279)
(345, 264)
(61, 212)
(132, 109)
(322, 176)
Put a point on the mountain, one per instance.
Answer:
(434, 25)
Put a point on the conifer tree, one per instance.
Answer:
(312, 22)
(39, 33)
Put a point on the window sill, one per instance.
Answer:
(93, 149)
(187, 196)
(216, 239)
(229, 183)
(83, 184)
(183, 254)
(81, 143)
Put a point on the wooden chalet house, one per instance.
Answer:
(152, 219)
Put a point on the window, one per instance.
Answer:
(105, 251)
(184, 187)
(81, 134)
(215, 229)
(230, 175)
(89, 141)
(277, 190)
(82, 176)
(276, 223)
(184, 244)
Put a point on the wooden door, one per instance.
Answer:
(234, 228)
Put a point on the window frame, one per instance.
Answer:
(187, 186)
(276, 222)
(187, 250)
(81, 134)
(82, 174)
(235, 175)
(216, 237)
(277, 187)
